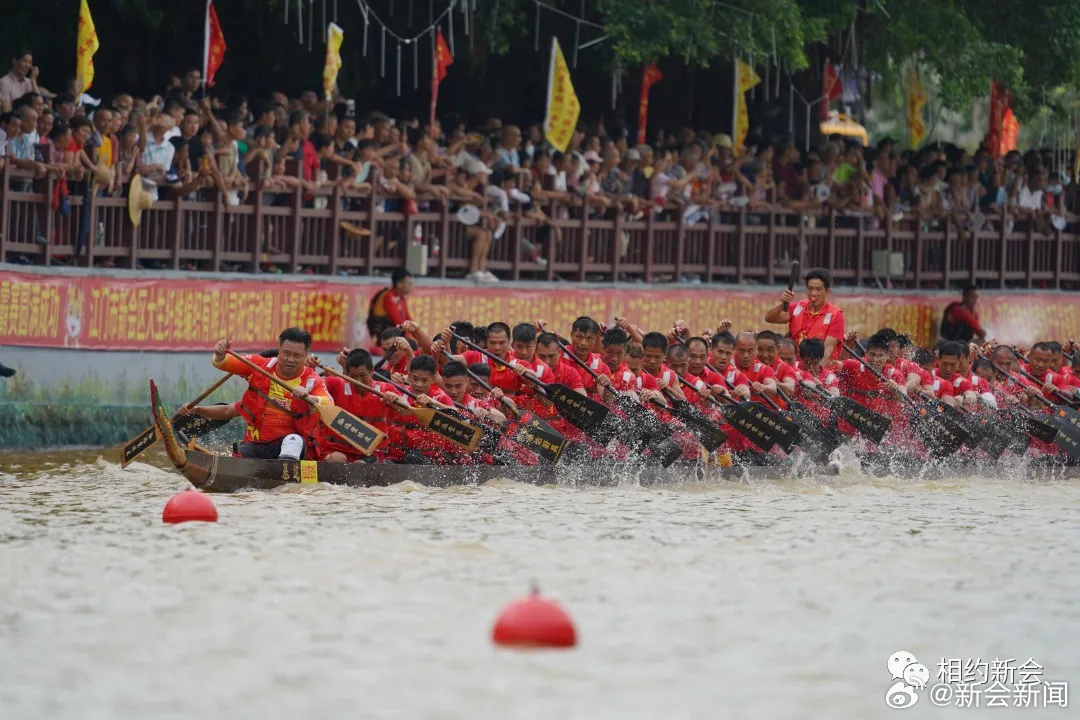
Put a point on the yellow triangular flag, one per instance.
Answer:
(84, 51)
(563, 107)
(334, 37)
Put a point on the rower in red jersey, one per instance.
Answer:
(654, 351)
(498, 344)
(812, 353)
(457, 385)
(914, 378)
(950, 386)
(731, 377)
(979, 381)
(564, 372)
(1009, 387)
(732, 383)
(768, 352)
(814, 317)
(625, 359)
(862, 385)
(1043, 369)
(762, 378)
(786, 349)
(698, 360)
(523, 393)
(409, 442)
(583, 337)
(365, 405)
(397, 352)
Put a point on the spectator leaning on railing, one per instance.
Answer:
(184, 147)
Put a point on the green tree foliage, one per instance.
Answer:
(1032, 48)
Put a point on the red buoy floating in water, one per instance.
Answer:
(534, 622)
(189, 506)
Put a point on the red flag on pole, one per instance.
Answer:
(831, 89)
(213, 45)
(649, 77)
(441, 59)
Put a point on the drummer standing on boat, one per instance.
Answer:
(815, 317)
(277, 425)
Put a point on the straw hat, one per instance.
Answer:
(138, 200)
(103, 176)
(354, 230)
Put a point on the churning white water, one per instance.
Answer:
(729, 600)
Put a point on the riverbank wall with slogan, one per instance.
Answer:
(85, 343)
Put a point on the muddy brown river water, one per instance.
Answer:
(729, 600)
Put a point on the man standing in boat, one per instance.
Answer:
(815, 317)
(278, 425)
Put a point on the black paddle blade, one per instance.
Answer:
(541, 438)
(870, 424)
(933, 427)
(666, 451)
(188, 426)
(361, 436)
(459, 432)
(648, 425)
(814, 437)
(582, 411)
(995, 440)
(1068, 434)
(1030, 423)
(705, 430)
(752, 423)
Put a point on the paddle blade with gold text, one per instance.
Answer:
(361, 435)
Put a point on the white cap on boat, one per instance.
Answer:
(291, 447)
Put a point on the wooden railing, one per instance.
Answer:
(279, 230)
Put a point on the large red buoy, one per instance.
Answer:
(188, 506)
(534, 622)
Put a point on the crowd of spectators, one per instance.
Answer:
(182, 143)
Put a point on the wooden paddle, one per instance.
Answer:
(357, 433)
(870, 424)
(936, 430)
(148, 437)
(460, 433)
(582, 411)
(532, 432)
(793, 277)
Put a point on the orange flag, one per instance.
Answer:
(441, 59)
(213, 45)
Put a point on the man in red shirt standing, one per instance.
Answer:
(814, 317)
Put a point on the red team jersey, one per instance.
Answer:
(828, 322)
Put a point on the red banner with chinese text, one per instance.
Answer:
(107, 313)
(103, 313)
